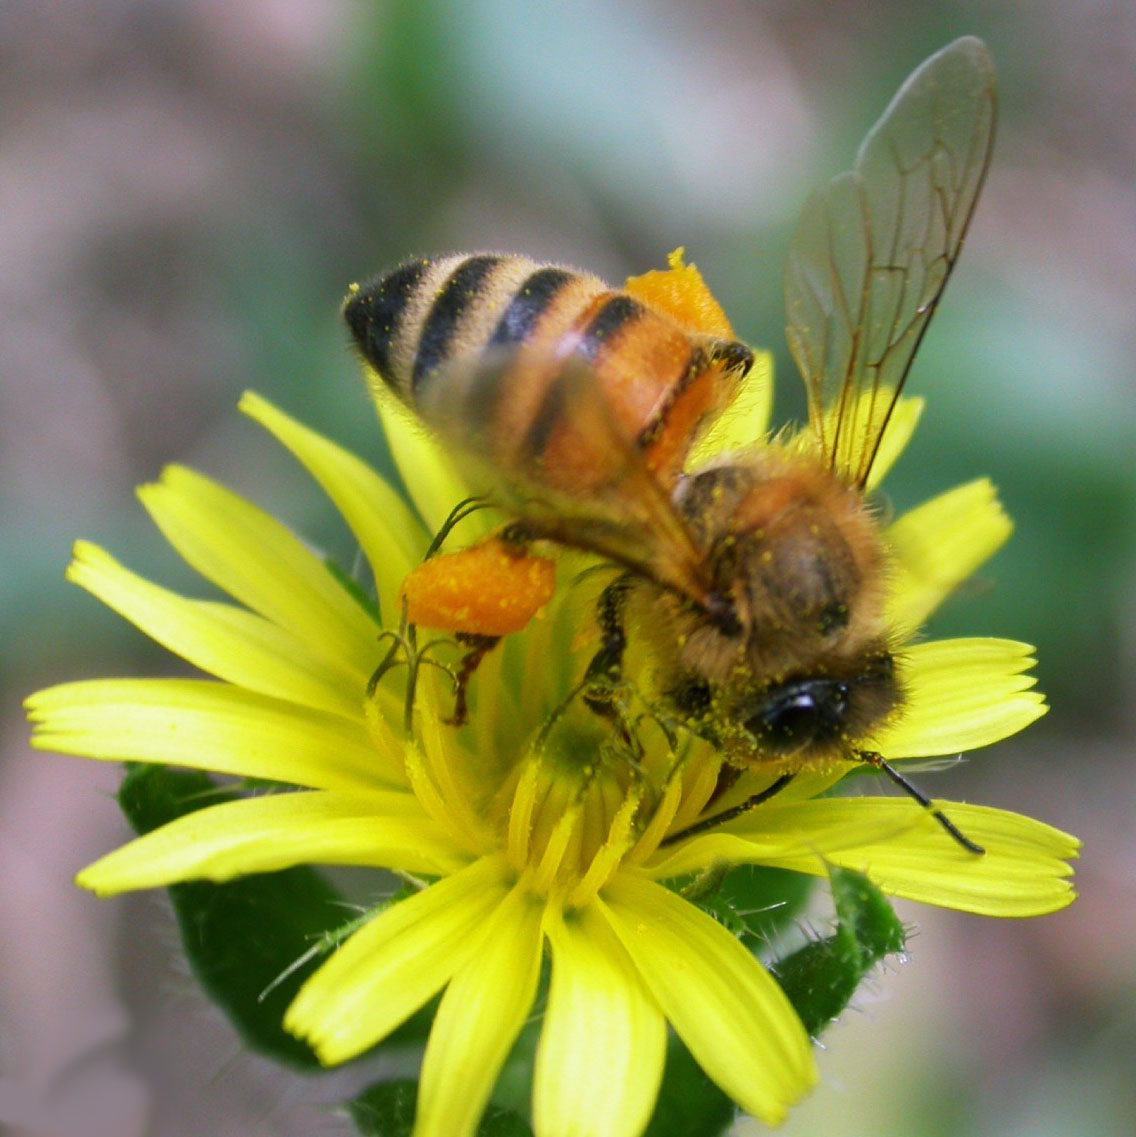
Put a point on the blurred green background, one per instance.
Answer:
(187, 188)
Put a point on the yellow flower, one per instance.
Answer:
(533, 826)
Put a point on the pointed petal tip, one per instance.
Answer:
(150, 494)
(306, 1030)
(251, 401)
(84, 551)
(308, 1020)
(90, 879)
(259, 409)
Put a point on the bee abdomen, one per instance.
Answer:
(529, 303)
(428, 314)
(540, 369)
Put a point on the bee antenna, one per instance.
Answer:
(879, 762)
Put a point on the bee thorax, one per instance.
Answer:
(805, 666)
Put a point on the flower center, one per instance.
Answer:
(575, 809)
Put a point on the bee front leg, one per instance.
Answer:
(774, 788)
(605, 673)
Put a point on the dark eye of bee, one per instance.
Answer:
(800, 714)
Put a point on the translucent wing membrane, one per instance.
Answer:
(873, 250)
(568, 468)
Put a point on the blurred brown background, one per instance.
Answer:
(186, 189)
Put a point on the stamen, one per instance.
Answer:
(661, 819)
(521, 815)
(611, 853)
(564, 835)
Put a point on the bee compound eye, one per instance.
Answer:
(799, 714)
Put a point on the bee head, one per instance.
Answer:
(802, 715)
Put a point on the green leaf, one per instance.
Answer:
(756, 902)
(240, 937)
(499, 1122)
(689, 1104)
(513, 1091)
(821, 977)
(387, 1110)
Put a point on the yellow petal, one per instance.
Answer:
(385, 527)
(225, 641)
(807, 784)
(431, 478)
(602, 1030)
(257, 561)
(745, 421)
(961, 694)
(265, 834)
(479, 1018)
(724, 1005)
(851, 445)
(779, 828)
(904, 850)
(390, 967)
(904, 419)
(939, 544)
(209, 726)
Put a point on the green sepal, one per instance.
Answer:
(689, 1104)
(242, 936)
(387, 1110)
(756, 903)
(821, 977)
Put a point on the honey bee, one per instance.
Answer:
(758, 580)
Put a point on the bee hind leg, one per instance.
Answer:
(478, 648)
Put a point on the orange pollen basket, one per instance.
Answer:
(486, 590)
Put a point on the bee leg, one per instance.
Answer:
(729, 814)
(515, 537)
(479, 647)
(879, 762)
(605, 672)
(727, 776)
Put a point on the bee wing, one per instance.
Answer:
(542, 437)
(873, 250)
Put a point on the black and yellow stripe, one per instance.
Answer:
(428, 314)
(529, 303)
